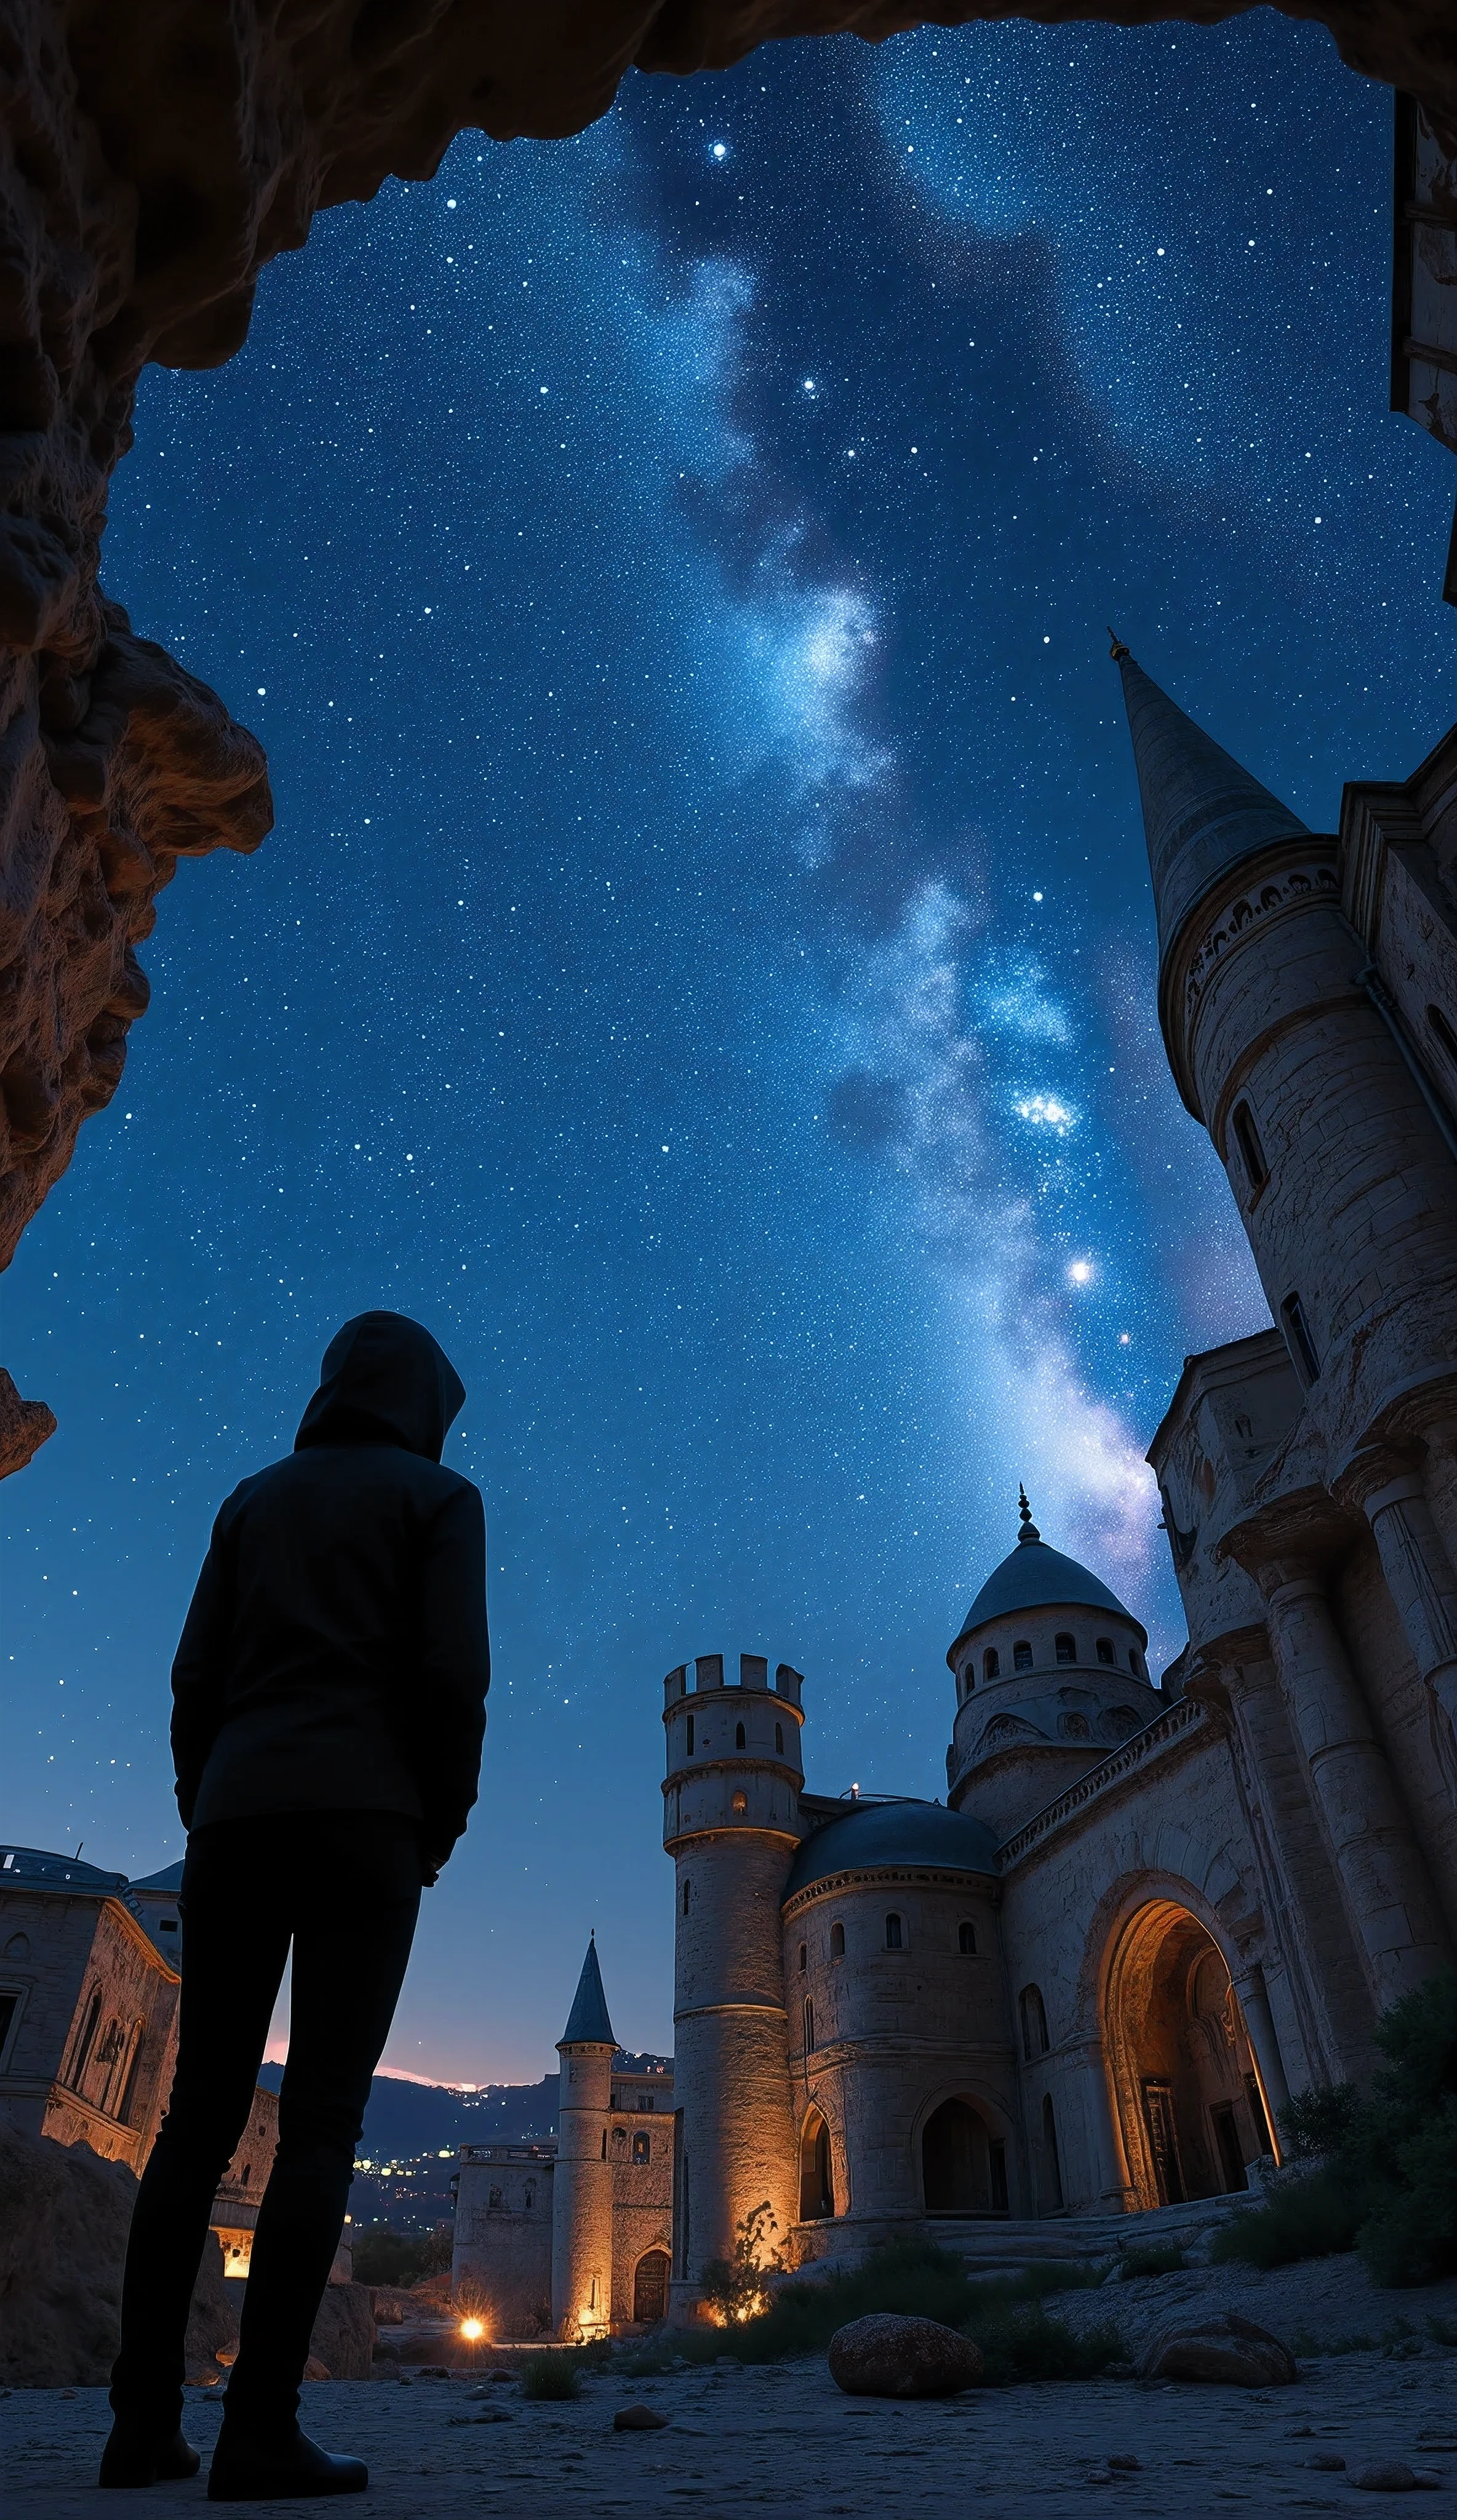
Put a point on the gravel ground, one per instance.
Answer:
(785, 2437)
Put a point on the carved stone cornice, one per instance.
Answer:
(1288, 876)
(1293, 1539)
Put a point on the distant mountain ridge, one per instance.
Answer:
(404, 2120)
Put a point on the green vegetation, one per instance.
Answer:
(1166, 2261)
(400, 2257)
(551, 2375)
(1005, 2315)
(1388, 2183)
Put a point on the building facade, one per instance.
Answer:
(573, 2238)
(1144, 1917)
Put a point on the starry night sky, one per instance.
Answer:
(704, 964)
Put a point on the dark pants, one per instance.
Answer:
(343, 1887)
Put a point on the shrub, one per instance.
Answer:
(1388, 2185)
(1166, 2261)
(392, 2257)
(551, 2375)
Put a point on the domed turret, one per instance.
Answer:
(1050, 1677)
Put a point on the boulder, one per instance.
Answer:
(638, 2420)
(345, 2332)
(1221, 2347)
(888, 2357)
(1394, 2476)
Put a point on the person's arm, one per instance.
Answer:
(452, 1672)
(200, 1670)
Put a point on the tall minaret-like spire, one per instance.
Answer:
(582, 2181)
(1203, 814)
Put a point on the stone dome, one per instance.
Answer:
(894, 1834)
(1033, 1577)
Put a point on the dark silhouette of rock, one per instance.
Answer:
(886, 2356)
(24, 1425)
(638, 2420)
(151, 159)
(1222, 2347)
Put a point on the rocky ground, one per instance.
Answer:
(785, 2436)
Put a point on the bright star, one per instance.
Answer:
(1080, 1272)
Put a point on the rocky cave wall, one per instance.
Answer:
(153, 157)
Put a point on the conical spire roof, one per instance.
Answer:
(588, 2023)
(1201, 812)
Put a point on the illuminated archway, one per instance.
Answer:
(1186, 2087)
(816, 2171)
(650, 2288)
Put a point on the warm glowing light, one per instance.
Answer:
(472, 2330)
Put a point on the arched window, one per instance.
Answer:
(687, 1895)
(837, 1942)
(1442, 1033)
(1034, 2039)
(1251, 1153)
(779, 1738)
(1052, 2168)
(991, 1663)
(803, 1958)
(816, 2171)
(493, 2199)
(1021, 1655)
(1298, 1340)
(530, 2195)
(604, 2144)
(1105, 1650)
(894, 1938)
(962, 2165)
(128, 2099)
(642, 2149)
(1064, 1647)
(739, 1801)
(808, 2026)
(690, 1736)
(619, 2143)
(82, 2054)
(1136, 1663)
(1075, 1728)
(966, 1938)
(740, 1736)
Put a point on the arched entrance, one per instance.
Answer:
(650, 2288)
(816, 2171)
(1188, 2095)
(963, 2164)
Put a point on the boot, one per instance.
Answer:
(260, 2466)
(135, 2454)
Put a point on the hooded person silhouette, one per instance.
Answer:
(328, 1710)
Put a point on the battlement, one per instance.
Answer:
(754, 1673)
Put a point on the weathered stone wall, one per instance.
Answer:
(62, 1955)
(503, 2252)
(582, 2194)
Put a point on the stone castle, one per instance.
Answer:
(1087, 1983)
(1144, 1917)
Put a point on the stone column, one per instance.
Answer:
(1115, 2188)
(1392, 1908)
(1260, 2024)
(1439, 1442)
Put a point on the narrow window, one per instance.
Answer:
(966, 1938)
(1442, 1033)
(779, 1738)
(641, 2148)
(1064, 1647)
(1298, 1340)
(740, 1736)
(604, 2144)
(1105, 1650)
(1251, 1153)
(493, 2199)
(803, 1958)
(893, 1939)
(991, 1663)
(1051, 2166)
(809, 2027)
(690, 1736)
(1034, 2039)
(1021, 1655)
(837, 1942)
(687, 1895)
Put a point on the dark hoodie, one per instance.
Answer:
(335, 1657)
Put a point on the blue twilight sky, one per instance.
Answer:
(703, 966)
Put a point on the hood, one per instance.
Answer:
(383, 1380)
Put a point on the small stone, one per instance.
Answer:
(1428, 2479)
(432, 2371)
(885, 2356)
(67, 2393)
(1386, 2476)
(1328, 2459)
(1301, 2432)
(638, 2420)
(1124, 2461)
(488, 2415)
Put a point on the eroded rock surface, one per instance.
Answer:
(885, 2356)
(151, 159)
(1221, 2347)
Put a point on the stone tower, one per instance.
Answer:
(1284, 1046)
(582, 2185)
(732, 1823)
